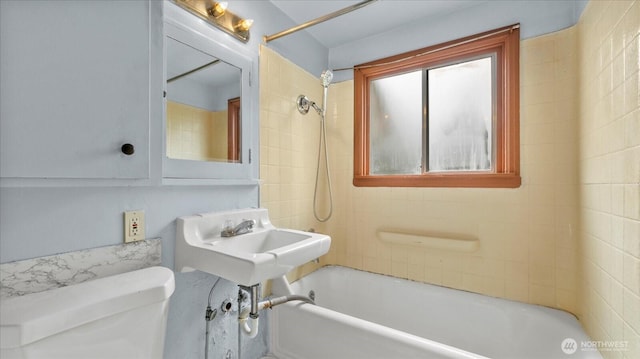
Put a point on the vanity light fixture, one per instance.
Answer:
(217, 14)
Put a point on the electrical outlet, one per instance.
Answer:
(133, 226)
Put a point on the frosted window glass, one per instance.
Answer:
(396, 124)
(460, 116)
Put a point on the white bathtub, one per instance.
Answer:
(365, 315)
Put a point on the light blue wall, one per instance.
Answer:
(535, 17)
(39, 221)
(197, 94)
(300, 48)
(40, 217)
(43, 217)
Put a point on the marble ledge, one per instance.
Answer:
(45, 273)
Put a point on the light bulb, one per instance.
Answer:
(244, 25)
(218, 9)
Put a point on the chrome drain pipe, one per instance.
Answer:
(252, 312)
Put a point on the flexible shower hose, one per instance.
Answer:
(323, 140)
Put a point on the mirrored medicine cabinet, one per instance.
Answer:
(207, 106)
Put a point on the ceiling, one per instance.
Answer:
(375, 18)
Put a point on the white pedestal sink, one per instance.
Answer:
(246, 259)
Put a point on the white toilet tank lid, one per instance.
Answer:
(32, 317)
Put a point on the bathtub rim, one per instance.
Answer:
(574, 326)
(361, 324)
(328, 266)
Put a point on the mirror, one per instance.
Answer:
(208, 131)
(202, 105)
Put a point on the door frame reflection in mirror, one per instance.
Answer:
(233, 129)
(239, 166)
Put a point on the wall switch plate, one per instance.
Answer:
(133, 226)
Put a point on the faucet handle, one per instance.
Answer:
(228, 225)
(227, 229)
(250, 222)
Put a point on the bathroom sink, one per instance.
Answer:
(260, 242)
(247, 259)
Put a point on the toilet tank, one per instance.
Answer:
(121, 316)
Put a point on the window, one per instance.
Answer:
(443, 116)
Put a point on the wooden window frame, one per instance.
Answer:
(505, 173)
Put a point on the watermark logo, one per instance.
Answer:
(569, 346)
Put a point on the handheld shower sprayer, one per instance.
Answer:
(326, 78)
(304, 104)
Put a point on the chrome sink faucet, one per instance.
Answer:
(245, 226)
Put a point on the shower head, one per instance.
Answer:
(326, 77)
